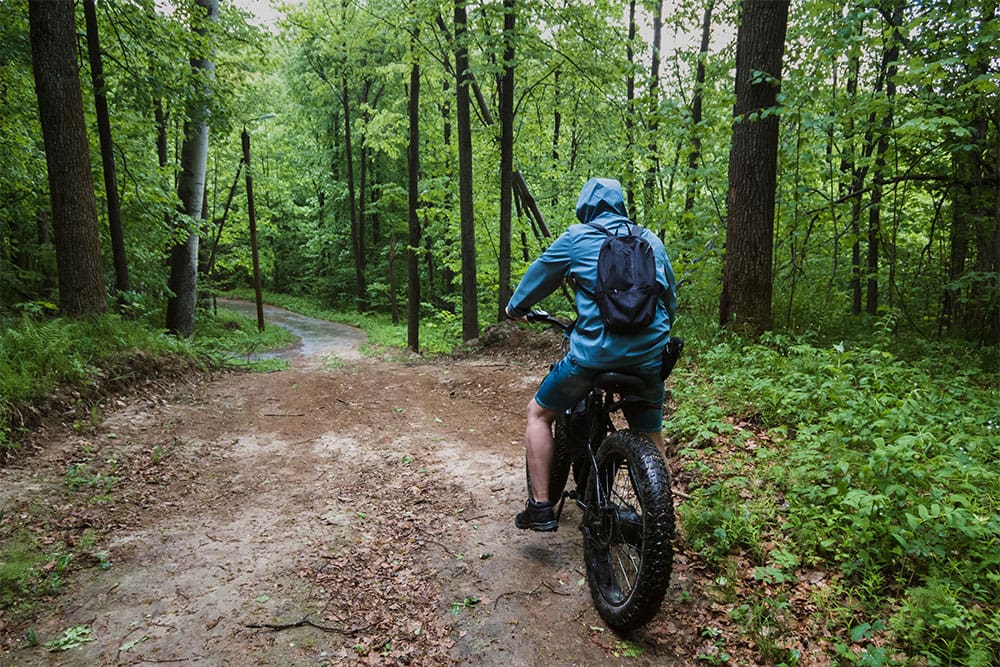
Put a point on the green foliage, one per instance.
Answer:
(719, 521)
(881, 466)
(37, 355)
(878, 450)
(26, 571)
(40, 358)
(71, 638)
(233, 339)
(941, 618)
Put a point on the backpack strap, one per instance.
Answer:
(598, 227)
(576, 283)
(632, 228)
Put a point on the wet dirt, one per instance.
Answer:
(344, 511)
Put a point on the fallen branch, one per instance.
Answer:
(451, 554)
(531, 592)
(306, 622)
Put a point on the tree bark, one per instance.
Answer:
(652, 169)
(413, 182)
(191, 190)
(67, 155)
(627, 178)
(107, 148)
(745, 304)
(879, 172)
(504, 291)
(696, 109)
(357, 249)
(463, 122)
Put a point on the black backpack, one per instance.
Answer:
(627, 290)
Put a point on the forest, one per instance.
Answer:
(824, 175)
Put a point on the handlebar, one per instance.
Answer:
(542, 317)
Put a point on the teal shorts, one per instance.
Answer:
(569, 383)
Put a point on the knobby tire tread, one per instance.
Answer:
(652, 488)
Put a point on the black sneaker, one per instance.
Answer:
(536, 516)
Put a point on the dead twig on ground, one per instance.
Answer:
(306, 622)
(531, 592)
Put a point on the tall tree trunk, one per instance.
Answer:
(556, 126)
(521, 190)
(971, 309)
(652, 169)
(506, 158)
(67, 156)
(107, 148)
(191, 190)
(393, 300)
(363, 186)
(413, 193)
(854, 183)
(747, 286)
(991, 251)
(696, 109)
(161, 132)
(463, 122)
(357, 250)
(879, 171)
(627, 177)
(447, 274)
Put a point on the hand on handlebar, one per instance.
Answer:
(522, 318)
(532, 316)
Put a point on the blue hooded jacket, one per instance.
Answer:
(574, 255)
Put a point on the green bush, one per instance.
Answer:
(883, 467)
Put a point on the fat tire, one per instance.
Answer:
(629, 552)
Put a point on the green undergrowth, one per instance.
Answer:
(852, 459)
(55, 361)
(231, 339)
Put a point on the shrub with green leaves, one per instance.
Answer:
(886, 469)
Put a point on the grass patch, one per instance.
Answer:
(43, 362)
(232, 339)
(27, 572)
(62, 363)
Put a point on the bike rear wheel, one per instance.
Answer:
(628, 528)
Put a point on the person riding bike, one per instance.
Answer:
(592, 348)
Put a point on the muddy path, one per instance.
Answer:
(354, 512)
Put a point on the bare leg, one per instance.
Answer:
(538, 448)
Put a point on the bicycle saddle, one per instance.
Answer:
(620, 383)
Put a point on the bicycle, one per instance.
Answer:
(628, 509)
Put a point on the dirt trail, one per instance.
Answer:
(366, 503)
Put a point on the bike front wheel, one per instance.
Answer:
(628, 529)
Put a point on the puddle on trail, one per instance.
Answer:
(317, 338)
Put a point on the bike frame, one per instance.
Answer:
(600, 404)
